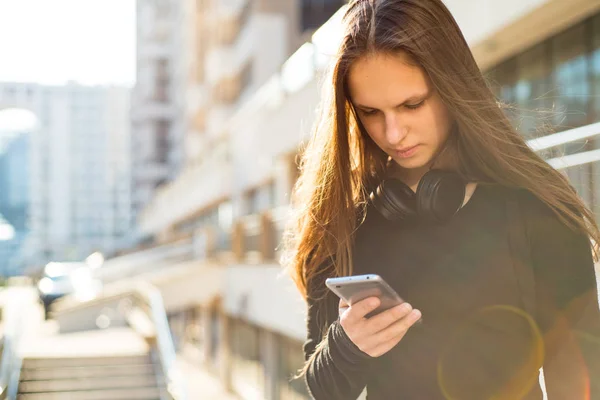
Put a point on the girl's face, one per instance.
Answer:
(399, 109)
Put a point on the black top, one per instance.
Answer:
(476, 339)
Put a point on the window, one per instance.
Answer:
(162, 131)
(570, 78)
(247, 368)
(555, 86)
(316, 12)
(161, 93)
(554, 82)
(252, 201)
(291, 360)
(595, 68)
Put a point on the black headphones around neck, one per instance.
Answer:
(439, 196)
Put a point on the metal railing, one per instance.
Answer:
(252, 231)
(144, 261)
(151, 297)
(565, 138)
(138, 295)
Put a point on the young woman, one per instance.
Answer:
(416, 174)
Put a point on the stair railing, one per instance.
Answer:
(151, 297)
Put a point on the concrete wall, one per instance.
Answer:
(265, 296)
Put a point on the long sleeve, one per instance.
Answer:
(567, 306)
(336, 367)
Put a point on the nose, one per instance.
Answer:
(395, 132)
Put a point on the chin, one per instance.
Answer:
(413, 162)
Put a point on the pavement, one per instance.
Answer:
(201, 384)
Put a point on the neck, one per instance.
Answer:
(412, 177)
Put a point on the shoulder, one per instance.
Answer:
(529, 203)
(542, 223)
(546, 231)
(533, 210)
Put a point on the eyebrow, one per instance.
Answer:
(411, 99)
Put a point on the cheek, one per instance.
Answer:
(439, 122)
(374, 128)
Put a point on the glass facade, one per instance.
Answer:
(555, 86)
(247, 369)
(316, 12)
(291, 360)
(251, 371)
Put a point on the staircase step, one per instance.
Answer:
(91, 383)
(59, 362)
(116, 394)
(85, 372)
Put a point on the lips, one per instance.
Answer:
(406, 151)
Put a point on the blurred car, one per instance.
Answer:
(62, 279)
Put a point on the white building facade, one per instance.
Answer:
(80, 174)
(156, 129)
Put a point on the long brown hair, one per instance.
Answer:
(341, 162)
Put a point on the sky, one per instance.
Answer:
(54, 41)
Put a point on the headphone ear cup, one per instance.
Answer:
(440, 195)
(394, 200)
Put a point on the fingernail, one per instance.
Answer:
(374, 302)
(416, 314)
(406, 307)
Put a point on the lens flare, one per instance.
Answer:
(496, 354)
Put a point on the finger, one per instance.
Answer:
(384, 347)
(386, 318)
(343, 304)
(392, 333)
(398, 329)
(358, 310)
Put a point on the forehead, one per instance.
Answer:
(383, 80)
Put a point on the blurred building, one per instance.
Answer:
(221, 53)
(216, 228)
(14, 200)
(14, 181)
(79, 169)
(156, 133)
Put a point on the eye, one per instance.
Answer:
(368, 113)
(414, 106)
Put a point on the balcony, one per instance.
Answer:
(147, 260)
(251, 240)
(228, 89)
(226, 61)
(186, 195)
(228, 19)
(231, 23)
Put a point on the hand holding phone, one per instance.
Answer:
(353, 289)
(376, 319)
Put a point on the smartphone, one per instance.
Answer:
(353, 289)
